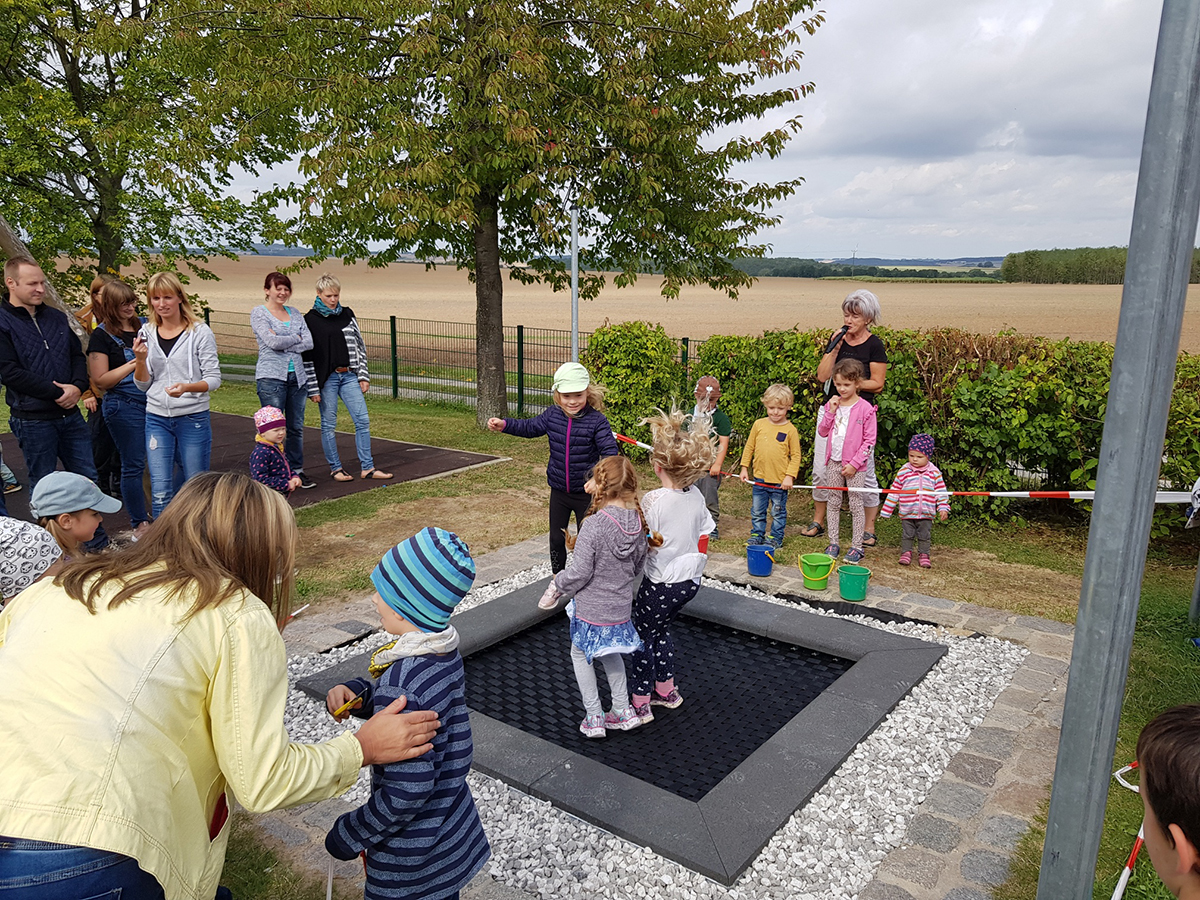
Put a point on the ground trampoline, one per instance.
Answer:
(775, 699)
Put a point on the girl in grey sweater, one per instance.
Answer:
(609, 555)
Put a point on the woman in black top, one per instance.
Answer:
(860, 310)
(110, 367)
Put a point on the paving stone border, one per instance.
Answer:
(963, 835)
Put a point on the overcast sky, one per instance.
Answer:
(942, 128)
(946, 128)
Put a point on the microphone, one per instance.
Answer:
(837, 338)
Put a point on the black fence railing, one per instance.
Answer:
(421, 359)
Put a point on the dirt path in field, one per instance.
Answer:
(1084, 312)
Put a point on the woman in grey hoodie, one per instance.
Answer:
(176, 365)
(610, 553)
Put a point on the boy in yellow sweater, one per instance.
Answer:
(774, 447)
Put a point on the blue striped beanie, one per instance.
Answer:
(425, 577)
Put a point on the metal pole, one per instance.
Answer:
(574, 284)
(1156, 279)
(395, 362)
(1194, 609)
(520, 371)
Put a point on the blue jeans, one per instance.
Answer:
(186, 440)
(346, 386)
(46, 441)
(765, 495)
(288, 396)
(36, 870)
(126, 421)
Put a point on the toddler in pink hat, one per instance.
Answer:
(268, 462)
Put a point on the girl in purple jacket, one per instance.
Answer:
(849, 422)
(580, 436)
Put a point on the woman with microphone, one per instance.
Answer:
(860, 310)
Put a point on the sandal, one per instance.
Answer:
(807, 530)
(869, 539)
(342, 475)
(376, 475)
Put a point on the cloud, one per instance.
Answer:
(976, 127)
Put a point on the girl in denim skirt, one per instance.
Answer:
(610, 553)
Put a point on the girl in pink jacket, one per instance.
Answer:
(849, 422)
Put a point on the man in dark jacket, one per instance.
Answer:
(43, 366)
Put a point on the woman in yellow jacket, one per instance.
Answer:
(138, 687)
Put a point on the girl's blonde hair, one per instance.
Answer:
(616, 480)
(221, 534)
(594, 396)
(67, 544)
(107, 308)
(780, 394)
(684, 455)
(168, 282)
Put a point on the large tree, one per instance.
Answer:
(103, 157)
(466, 129)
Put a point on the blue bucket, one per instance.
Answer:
(759, 559)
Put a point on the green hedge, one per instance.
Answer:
(992, 402)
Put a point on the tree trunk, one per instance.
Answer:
(491, 390)
(109, 241)
(11, 245)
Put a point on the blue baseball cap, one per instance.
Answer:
(66, 492)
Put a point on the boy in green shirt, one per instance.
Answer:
(708, 393)
(774, 447)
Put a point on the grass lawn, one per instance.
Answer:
(1030, 569)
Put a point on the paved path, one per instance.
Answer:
(963, 834)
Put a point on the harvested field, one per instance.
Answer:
(1083, 312)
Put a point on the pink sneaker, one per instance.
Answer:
(621, 719)
(671, 701)
(906, 558)
(924, 561)
(644, 713)
(593, 727)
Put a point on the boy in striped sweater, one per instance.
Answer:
(419, 832)
(917, 510)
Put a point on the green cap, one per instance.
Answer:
(571, 377)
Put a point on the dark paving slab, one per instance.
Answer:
(233, 438)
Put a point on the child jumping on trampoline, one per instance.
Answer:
(917, 510)
(678, 512)
(1168, 755)
(849, 422)
(610, 553)
(580, 436)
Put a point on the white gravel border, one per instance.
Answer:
(828, 849)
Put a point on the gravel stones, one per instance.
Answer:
(830, 848)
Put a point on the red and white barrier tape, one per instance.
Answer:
(1162, 497)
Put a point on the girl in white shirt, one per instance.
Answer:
(678, 512)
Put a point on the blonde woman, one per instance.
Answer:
(157, 679)
(176, 367)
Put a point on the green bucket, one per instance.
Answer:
(852, 582)
(815, 567)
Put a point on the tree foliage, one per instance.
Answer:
(1080, 265)
(466, 130)
(104, 157)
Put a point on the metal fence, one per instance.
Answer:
(420, 359)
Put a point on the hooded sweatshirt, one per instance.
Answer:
(192, 359)
(609, 556)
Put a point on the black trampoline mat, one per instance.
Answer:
(739, 689)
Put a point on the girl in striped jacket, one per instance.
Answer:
(917, 510)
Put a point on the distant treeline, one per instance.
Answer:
(791, 267)
(1082, 265)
